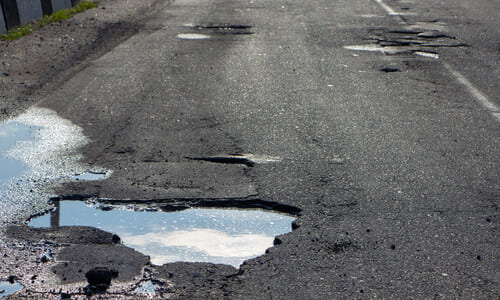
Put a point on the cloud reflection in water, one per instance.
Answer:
(226, 236)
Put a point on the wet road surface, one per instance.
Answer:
(387, 158)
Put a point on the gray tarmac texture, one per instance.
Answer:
(392, 161)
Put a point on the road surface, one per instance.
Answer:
(391, 155)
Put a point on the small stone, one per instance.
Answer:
(99, 278)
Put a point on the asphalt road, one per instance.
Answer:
(392, 158)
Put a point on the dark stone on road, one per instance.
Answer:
(100, 277)
(12, 279)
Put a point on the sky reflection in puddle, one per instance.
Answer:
(147, 288)
(7, 288)
(90, 176)
(38, 150)
(226, 236)
(10, 135)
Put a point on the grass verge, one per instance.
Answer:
(46, 20)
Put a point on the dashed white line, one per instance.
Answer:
(389, 9)
(480, 97)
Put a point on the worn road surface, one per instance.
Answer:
(391, 155)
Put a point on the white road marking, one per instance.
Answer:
(391, 11)
(480, 97)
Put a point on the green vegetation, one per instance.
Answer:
(46, 20)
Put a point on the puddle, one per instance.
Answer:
(91, 176)
(244, 159)
(224, 236)
(370, 16)
(147, 288)
(192, 36)
(10, 134)
(38, 149)
(378, 48)
(8, 288)
(427, 54)
(391, 50)
(223, 28)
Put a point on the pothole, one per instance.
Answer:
(378, 48)
(392, 50)
(390, 70)
(147, 288)
(427, 54)
(9, 287)
(38, 149)
(215, 235)
(192, 36)
(223, 28)
(10, 134)
(243, 159)
(91, 175)
(408, 40)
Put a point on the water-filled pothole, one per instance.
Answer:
(11, 134)
(9, 287)
(147, 288)
(225, 236)
(38, 149)
(192, 36)
(91, 175)
(223, 28)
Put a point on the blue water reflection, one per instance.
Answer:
(7, 288)
(227, 236)
(10, 134)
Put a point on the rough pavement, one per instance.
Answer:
(391, 160)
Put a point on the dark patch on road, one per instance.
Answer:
(169, 205)
(231, 159)
(225, 28)
(75, 261)
(403, 37)
(61, 235)
(99, 279)
(390, 70)
(340, 247)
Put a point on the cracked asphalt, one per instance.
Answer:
(389, 158)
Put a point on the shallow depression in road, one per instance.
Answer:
(225, 236)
